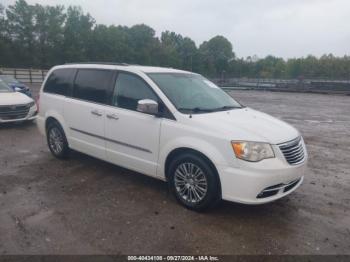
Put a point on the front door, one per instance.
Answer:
(132, 138)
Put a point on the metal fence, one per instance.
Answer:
(25, 75)
(276, 82)
(37, 76)
(300, 85)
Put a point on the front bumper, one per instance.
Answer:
(31, 115)
(252, 183)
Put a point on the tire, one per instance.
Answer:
(193, 182)
(57, 141)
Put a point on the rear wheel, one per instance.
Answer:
(193, 182)
(57, 141)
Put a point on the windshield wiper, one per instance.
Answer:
(196, 110)
(224, 108)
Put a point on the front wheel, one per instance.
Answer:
(57, 141)
(193, 182)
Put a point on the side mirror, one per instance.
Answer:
(17, 89)
(147, 106)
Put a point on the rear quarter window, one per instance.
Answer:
(60, 82)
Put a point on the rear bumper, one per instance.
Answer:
(40, 122)
(258, 186)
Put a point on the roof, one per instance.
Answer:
(150, 69)
(122, 66)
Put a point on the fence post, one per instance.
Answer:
(30, 76)
(42, 75)
(15, 73)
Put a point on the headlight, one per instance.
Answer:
(31, 104)
(252, 151)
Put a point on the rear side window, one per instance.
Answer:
(59, 82)
(92, 85)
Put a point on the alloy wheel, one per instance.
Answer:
(56, 140)
(190, 183)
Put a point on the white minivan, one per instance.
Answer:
(173, 125)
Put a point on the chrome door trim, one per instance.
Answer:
(113, 141)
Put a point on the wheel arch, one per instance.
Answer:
(64, 151)
(181, 150)
(51, 116)
(56, 118)
(50, 120)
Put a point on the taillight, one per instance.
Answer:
(37, 102)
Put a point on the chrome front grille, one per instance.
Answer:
(293, 151)
(14, 112)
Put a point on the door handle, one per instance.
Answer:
(96, 113)
(112, 116)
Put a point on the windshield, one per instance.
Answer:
(192, 93)
(4, 88)
(9, 79)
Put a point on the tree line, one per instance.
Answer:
(41, 36)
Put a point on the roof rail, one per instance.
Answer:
(97, 63)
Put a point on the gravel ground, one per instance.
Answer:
(86, 206)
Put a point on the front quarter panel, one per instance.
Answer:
(175, 135)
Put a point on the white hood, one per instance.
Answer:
(14, 98)
(247, 124)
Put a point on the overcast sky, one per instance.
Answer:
(286, 28)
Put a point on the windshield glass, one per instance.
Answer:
(4, 88)
(9, 79)
(192, 93)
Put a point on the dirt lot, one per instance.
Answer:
(86, 206)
